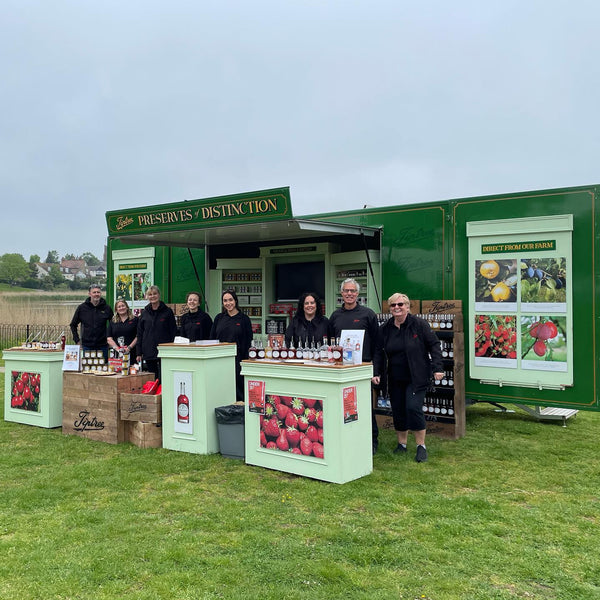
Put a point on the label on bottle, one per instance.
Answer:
(183, 411)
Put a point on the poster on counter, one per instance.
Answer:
(256, 396)
(350, 404)
(72, 358)
(293, 425)
(183, 402)
(356, 338)
(520, 319)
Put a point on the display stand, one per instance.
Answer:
(341, 394)
(33, 387)
(445, 401)
(195, 380)
(91, 404)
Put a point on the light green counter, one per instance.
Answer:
(205, 376)
(347, 443)
(35, 377)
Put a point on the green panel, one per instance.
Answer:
(413, 247)
(184, 277)
(579, 202)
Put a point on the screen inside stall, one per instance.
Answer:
(293, 279)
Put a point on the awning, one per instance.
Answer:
(271, 231)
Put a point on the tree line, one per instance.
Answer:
(16, 271)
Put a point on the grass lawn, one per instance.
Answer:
(510, 511)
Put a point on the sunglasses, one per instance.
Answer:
(393, 304)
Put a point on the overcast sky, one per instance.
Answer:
(116, 104)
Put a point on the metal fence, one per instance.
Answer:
(14, 335)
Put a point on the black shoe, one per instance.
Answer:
(421, 455)
(375, 446)
(400, 449)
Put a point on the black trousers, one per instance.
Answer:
(153, 366)
(407, 406)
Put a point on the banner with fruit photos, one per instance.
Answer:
(519, 328)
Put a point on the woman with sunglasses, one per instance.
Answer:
(408, 352)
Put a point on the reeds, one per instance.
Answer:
(38, 308)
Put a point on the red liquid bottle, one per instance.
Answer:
(183, 405)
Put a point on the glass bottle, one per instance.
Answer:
(260, 350)
(283, 352)
(337, 352)
(253, 351)
(323, 351)
(291, 350)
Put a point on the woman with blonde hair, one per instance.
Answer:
(122, 325)
(408, 353)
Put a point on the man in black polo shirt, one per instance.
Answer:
(352, 315)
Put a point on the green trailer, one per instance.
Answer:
(522, 265)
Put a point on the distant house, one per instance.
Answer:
(42, 269)
(97, 271)
(70, 268)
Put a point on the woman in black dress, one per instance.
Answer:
(308, 323)
(122, 325)
(195, 323)
(232, 325)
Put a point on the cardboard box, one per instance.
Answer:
(141, 407)
(143, 435)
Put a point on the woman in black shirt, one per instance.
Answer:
(195, 324)
(122, 325)
(308, 323)
(232, 325)
(408, 352)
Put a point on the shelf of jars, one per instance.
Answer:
(444, 404)
(247, 284)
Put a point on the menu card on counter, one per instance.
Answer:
(72, 358)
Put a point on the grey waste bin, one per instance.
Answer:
(230, 430)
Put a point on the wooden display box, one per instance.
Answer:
(91, 404)
(141, 407)
(445, 307)
(143, 435)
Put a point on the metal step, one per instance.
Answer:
(549, 413)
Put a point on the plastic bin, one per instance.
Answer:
(230, 430)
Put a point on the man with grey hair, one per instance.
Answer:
(352, 315)
(93, 315)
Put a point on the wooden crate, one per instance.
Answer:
(141, 407)
(143, 435)
(91, 404)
